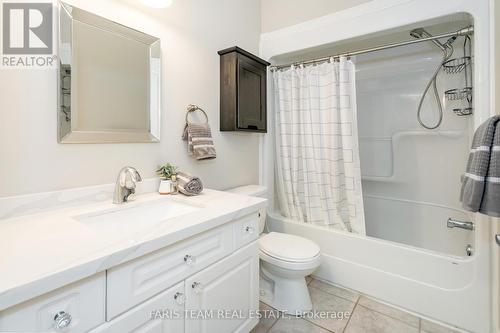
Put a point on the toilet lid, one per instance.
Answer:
(288, 247)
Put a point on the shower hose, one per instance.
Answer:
(432, 81)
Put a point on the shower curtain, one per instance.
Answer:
(318, 176)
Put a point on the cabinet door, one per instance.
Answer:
(251, 95)
(163, 313)
(224, 297)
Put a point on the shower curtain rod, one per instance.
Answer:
(462, 32)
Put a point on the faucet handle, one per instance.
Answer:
(129, 177)
(137, 176)
(125, 184)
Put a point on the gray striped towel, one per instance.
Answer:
(189, 185)
(481, 182)
(200, 143)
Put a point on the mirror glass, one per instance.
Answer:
(109, 80)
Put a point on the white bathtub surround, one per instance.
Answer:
(318, 168)
(441, 286)
(73, 248)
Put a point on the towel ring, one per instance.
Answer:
(193, 108)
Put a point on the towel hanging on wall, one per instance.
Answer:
(481, 182)
(198, 136)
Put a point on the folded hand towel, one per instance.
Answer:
(481, 182)
(199, 137)
(189, 185)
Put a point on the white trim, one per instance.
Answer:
(474, 177)
(480, 148)
(495, 180)
(200, 138)
(202, 146)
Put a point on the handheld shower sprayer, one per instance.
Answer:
(447, 49)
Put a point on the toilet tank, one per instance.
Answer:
(254, 191)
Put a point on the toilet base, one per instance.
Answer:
(286, 294)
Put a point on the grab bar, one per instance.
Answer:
(460, 224)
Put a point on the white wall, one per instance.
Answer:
(192, 32)
(277, 14)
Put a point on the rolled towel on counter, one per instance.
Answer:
(189, 185)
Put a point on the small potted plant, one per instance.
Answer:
(165, 172)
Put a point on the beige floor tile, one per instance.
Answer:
(295, 325)
(340, 292)
(365, 320)
(270, 316)
(326, 302)
(430, 327)
(389, 311)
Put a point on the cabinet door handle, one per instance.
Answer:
(62, 320)
(179, 298)
(197, 287)
(189, 259)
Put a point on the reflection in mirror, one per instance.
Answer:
(109, 81)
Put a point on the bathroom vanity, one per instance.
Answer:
(157, 264)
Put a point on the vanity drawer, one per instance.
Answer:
(132, 283)
(246, 230)
(83, 301)
(163, 313)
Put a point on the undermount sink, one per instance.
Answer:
(136, 217)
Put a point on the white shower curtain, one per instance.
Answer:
(318, 174)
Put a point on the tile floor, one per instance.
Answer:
(367, 315)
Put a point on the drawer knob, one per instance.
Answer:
(62, 320)
(180, 298)
(197, 287)
(189, 259)
(249, 229)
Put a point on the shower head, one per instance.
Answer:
(421, 32)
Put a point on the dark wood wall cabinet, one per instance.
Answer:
(242, 91)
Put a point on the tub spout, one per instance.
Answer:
(460, 224)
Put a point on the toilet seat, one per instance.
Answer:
(288, 247)
(289, 251)
(290, 265)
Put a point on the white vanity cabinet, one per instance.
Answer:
(137, 280)
(75, 308)
(204, 283)
(163, 313)
(226, 293)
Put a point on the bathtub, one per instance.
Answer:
(441, 287)
(418, 224)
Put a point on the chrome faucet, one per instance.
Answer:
(451, 223)
(125, 184)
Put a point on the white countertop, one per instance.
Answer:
(47, 250)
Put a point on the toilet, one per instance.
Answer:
(285, 261)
